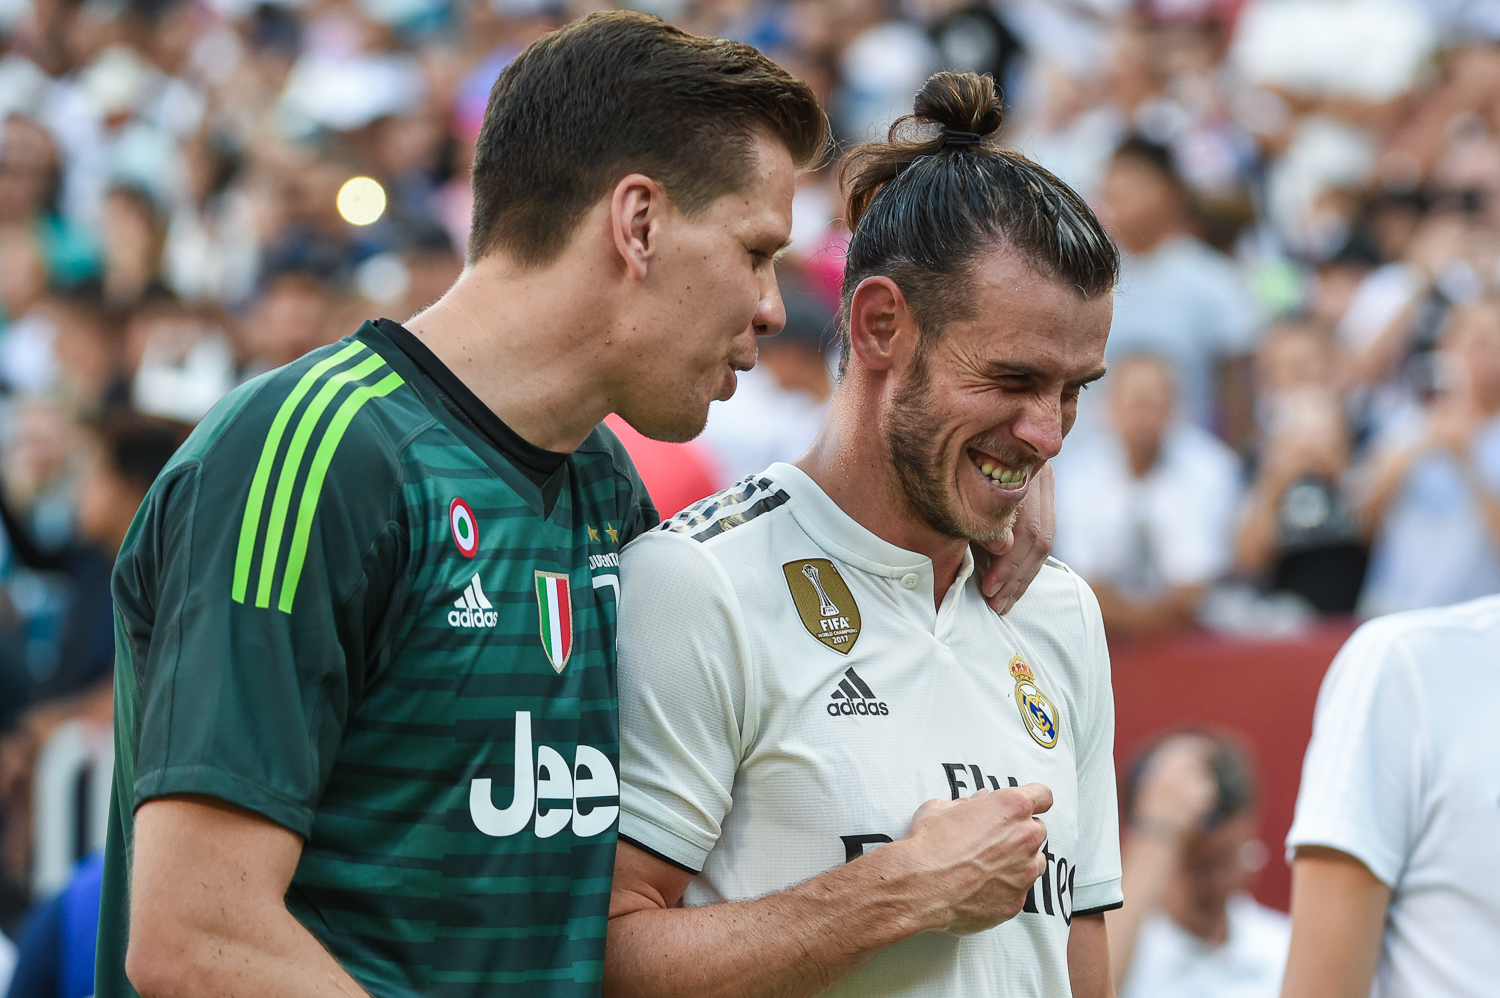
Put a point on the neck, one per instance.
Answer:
(529, 345)
(850, 461)
(1142, 457)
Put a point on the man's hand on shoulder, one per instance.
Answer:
(1009, 565)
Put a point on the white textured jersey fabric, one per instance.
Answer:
(789, 696)
(1403, 773)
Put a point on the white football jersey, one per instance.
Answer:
(789, 696)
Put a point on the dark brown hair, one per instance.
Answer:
(939, 192)
(618, 93)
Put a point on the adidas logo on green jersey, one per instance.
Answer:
(472, 609)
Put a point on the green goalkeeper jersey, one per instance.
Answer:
(358, 604)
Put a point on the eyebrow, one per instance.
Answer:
(1005, 369)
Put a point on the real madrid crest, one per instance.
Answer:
(824, 602)
(1038, 713)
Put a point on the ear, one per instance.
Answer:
(636, 209)
(881, 327)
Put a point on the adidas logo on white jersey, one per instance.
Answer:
(854, 696)
(472, 609)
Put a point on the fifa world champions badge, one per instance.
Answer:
(824, 602)
(1038, 713)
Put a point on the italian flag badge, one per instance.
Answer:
(555, 604)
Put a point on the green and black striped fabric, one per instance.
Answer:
(344, 608)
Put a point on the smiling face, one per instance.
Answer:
(982, 406)
(711, 291)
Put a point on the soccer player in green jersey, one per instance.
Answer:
(365, 706)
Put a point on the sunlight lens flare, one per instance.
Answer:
(361, 201)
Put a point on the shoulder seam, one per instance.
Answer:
(723, 511)
(371, 377)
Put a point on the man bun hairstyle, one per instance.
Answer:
(618, 93)
(939, 192)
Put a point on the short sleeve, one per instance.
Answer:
(1098, 885)
(1361, 777)
(250, 645)
(682, 697)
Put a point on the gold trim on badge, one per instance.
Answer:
(824, 602)
(1040, 716)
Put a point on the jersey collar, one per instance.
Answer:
(846, 539)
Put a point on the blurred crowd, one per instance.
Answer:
(1302, 417)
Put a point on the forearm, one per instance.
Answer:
(1255, 547)
(1388, 476)
(793, 944)
(208, 914)
(1172, 609)
(270, 954)
(1149, 858)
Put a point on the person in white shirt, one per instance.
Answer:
(1188, 929)
(1395, 865)
(1179, 298)
(841, 771)
(1433, 500)
(1145, 509)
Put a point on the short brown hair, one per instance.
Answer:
(622, 92)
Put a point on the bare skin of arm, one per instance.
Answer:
(1122, 615)
(1237, 401)
(207, 912)
(1255, 545)
(1389, 474)
(963, 867)
(1338, 915)
(1088, 958)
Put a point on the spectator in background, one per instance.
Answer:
(55, 955)
(1178, 298)
(1144, 509)
(1188, 928)
(1300, 533)
(1433, 503)
(294, 314)
(130, 450)
(133, 242)
(779, 404)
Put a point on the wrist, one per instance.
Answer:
(897, 893)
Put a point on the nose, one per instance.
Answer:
(770, 312)
(1040, 426)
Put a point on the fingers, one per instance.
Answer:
(1040, 795)
(1016, 560)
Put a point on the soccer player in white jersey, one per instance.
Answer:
(842, 772)
(1396, 840)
